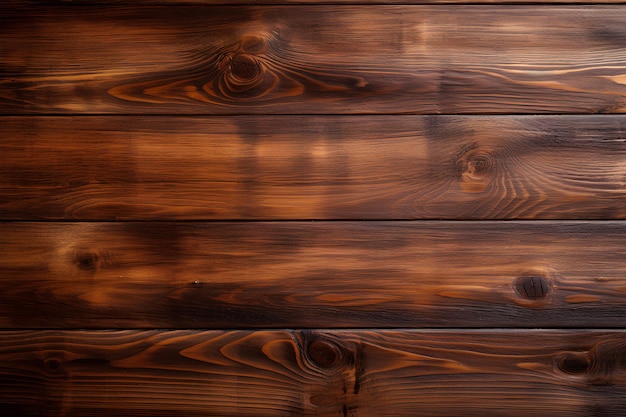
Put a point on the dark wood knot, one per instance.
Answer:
(53, 365)
(87, 261)
(575, 363)
(324, 353)
(532, 287)
(244, 68)
(243, 73)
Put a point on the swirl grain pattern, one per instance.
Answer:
(279, 373)
(312, 274)
(201, 59)
(306, 167)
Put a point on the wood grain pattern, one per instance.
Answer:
(327, 112)
(279, 373)
(295, 168)
(311, 59)
(312, 274)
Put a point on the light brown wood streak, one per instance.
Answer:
(312, 274)
(312, 59)
(273, 373)
(290, 167)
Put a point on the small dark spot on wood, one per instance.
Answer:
(532, 287)
(575, 363)
(324, 353)
(87, 261)
(52, 365)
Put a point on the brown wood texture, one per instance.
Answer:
(312, 274)
(296, 168)
(249, 167)
(312, 59)
(318, 373)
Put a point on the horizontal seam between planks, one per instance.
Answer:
(215, 115)
(331, 329)
(440, 3)
(352, 221)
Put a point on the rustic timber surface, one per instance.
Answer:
(314, 373)
(312, 274)
(284, 208)
(303, 167)
(311, 59)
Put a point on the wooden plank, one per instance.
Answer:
(311, 59)
(296, 168)
(312, 274)
(321, 373)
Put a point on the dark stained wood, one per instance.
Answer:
(271, 373)
(177, 131)
(311, 59)
(312, 274)
(292, 167)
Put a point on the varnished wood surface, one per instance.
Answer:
(293, 168)
(319, 373)
(312, 274)
(103, 109)
(311, 59)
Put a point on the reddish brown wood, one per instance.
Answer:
(291, 168)
(149, 72)
(312, 274)
(311, 59)
(269, 373)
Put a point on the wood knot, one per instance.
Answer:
(53, 365)
(532, 287)
(244, 68)
(474, 167)
(575, 363)
(241, 73)
(246, 71)
(87, 261)
(324, 353)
